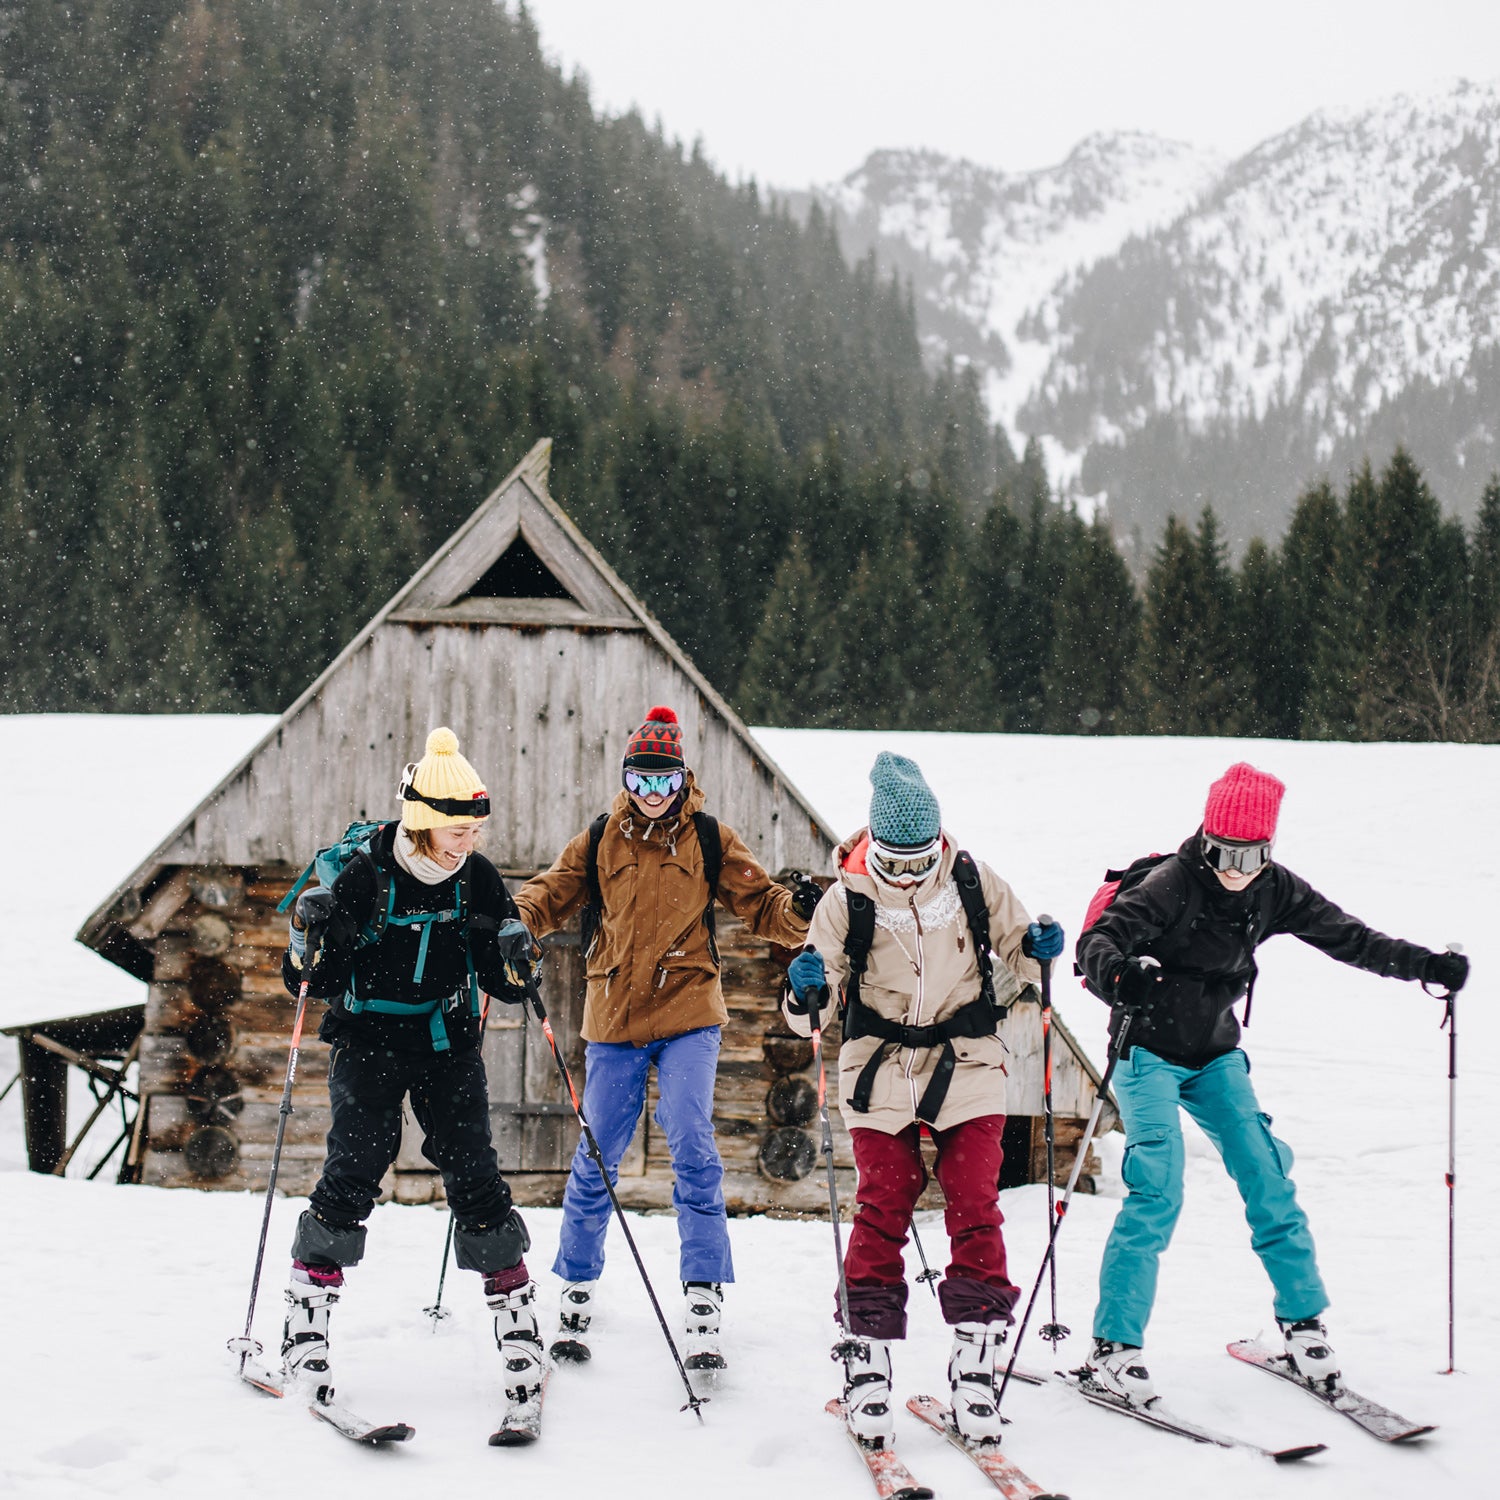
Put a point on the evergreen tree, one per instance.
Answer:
(1095, 636)
(789, 669)
(1191, 679)
(1267, 649)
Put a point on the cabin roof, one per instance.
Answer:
(518, 537)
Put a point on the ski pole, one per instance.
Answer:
(437, 1311)
(533, 995)
(1117, 1047)
(244, 1345)
(928, 1274)
(814, 1015)
(1053, 1332)
(1450, 1021)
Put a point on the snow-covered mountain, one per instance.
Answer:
(1175, 327)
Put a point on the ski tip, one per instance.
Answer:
(511, 1437)
(1293, 1455)
(1414, 1434)
(396, 1432)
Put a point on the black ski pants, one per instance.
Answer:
(366, 1084)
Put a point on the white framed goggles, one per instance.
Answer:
(650, 784)
(1226, 854)
(905, 866)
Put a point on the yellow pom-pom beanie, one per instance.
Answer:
(442, 788)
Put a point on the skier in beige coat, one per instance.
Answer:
(945, 946)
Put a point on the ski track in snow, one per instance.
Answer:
(120, 1299)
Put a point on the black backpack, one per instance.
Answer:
(978, 1018)
(713, 861)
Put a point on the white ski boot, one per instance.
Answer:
(574, 1314)
(520, 1345)
(1120, 1370)
(705, 1305)
(867, 1390)
(304, 1335)
(1309, 1353)
(971, 1374)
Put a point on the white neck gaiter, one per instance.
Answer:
(428, 871)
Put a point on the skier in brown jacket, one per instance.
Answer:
(654, 997)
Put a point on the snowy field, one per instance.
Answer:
(120, 1299)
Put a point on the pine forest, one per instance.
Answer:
(287, 285)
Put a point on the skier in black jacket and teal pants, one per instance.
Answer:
(1174, 952)
(405, 940)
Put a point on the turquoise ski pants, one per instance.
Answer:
(1221, 1099)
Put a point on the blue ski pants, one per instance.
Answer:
(1221, 1099)
(614, 1093)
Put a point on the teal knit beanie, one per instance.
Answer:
(903, 812)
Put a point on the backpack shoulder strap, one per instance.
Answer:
(971, 893)
(857, 943)
(593, 908)
(712, 846)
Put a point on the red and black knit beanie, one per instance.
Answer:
(657, 744)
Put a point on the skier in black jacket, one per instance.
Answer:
(404, 942)
(1174, 952)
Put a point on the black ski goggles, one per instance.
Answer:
(1225, 854)
(477, 806)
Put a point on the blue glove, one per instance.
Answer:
(807, 976)
(1043, 940)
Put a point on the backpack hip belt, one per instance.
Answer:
(976, 1019)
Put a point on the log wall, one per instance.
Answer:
(218, 1024)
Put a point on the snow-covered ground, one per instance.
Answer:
(119, 1299)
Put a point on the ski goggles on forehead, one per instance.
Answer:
(475, 806)
(905, 865)
(651, 784)
(1222, 854)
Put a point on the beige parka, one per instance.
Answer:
(922, 968)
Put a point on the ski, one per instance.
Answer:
(893, 1480)
(339, 1417)
(1156, 1415)
(1379, 1421)
(1011, 1481)
(522, 1423)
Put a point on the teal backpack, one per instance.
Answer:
(328, 864)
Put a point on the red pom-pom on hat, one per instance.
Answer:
(660, 715)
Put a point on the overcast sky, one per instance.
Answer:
(800, 91)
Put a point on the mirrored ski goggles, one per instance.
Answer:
(905, 866)
(1222, 854)
(647, 784)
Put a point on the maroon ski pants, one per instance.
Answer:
(892, 1175)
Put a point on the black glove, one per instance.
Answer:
(1447, 969)
(1138, 985)
(806, 893)
(313, 912)
(518, 951)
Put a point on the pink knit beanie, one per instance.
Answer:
(1242, 805)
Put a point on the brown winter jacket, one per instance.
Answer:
(651, 972)
(921, 969)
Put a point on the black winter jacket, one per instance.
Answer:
(386, 969)
(1205, 939)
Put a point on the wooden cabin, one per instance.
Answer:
(523, 639)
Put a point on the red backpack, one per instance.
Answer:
(1114, 882)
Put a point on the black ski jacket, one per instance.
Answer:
(385, 969)
(1205, 939)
